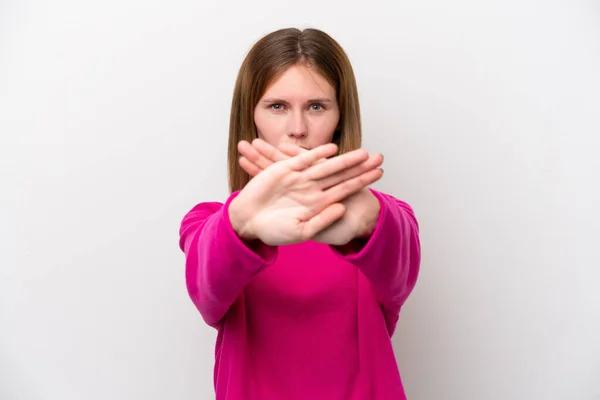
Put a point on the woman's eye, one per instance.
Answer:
(277, 107)
(316, 107)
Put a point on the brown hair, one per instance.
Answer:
(268, 59)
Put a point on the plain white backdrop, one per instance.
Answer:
(113, 124)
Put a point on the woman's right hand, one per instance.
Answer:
(292, 200)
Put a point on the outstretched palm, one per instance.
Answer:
(292, 200)
(262, 160)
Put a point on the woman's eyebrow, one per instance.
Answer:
(315, 100)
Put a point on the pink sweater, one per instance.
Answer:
(302, 321)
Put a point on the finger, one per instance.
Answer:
(280, 153)
(268, 151)
(336, 164)
(291, 150)
(305, 160)
(255, 157)
(284, 152)
(374, 161)
(249, 167)
(322, 220)
(341, 191)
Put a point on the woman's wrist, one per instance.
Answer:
(370, 218)
(240, 221)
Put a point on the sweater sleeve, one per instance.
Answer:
(218, 264)
(390, 259)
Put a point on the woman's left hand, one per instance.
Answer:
(362, 208)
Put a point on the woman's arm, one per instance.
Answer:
(390, 256)
(218, 264)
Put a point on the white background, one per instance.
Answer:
(113, 121)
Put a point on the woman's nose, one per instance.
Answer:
(297, 134)
(298, 127)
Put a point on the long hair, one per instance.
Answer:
(265, 62)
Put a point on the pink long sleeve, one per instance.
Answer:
(391, 257)
(302, 321)
(218, 263)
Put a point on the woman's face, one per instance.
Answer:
(300, 107)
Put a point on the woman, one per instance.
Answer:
(303, 270)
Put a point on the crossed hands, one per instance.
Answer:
(297, 194)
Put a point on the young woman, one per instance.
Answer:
(303, 270)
